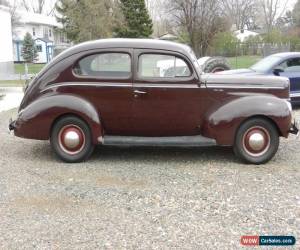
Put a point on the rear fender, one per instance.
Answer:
(223, 122)
(35, 121)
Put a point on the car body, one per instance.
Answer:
(281, 64)
(111, 92)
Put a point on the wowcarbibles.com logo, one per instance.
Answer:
(254, 240)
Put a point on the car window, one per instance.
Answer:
(290, 65)
(266, 64)
(112, 65)
(162, 66)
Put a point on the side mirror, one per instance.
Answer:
(277, 71)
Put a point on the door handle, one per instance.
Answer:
(137, 93)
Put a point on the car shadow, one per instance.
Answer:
(166, 154)
(145, 154)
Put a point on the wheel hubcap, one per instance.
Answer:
(256, 141)
(71, 139)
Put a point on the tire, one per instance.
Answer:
(216, 64)
(256, 141)
(71, 139)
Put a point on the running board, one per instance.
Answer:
(174, 141)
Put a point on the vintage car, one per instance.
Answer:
(112, 92)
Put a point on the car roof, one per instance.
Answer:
(126, 43)
(287, 54)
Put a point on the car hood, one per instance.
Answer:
(245, 81)
(238, 71)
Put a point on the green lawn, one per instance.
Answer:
(243, 61)
(33, 68)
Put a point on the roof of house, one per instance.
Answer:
(242, 35)
(34, 18)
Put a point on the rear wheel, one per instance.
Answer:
(256, 141)
(71, 139)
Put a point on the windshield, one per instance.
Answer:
(266, 64)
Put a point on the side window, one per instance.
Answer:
(291, 65)
(162, 66)
(112, 65)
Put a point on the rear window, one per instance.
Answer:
(110, 65)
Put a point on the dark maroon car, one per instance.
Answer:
(150, 93)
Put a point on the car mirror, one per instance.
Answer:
(277, 71)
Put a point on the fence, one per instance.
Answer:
(245, 54)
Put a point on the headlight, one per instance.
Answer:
(289, 105)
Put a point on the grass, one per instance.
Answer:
(33, 68)
(243, 61)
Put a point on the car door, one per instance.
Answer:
(106, 77)
(167, 98)
(291, 68)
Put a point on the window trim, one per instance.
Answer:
(171, 80)
(104, 77)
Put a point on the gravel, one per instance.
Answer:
(143, 198)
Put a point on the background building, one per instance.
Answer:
(6, 48)
(46, 32)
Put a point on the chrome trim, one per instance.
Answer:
(87, 85)
(295, 94)
(137, 85)
(240, 86)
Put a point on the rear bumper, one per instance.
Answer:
(11, 125)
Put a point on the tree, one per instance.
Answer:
(29, 51)
(86, 19)
(240, 12)
(296, 14)
(137, 22)
(38, 6)
(271, 10)
(200, 20)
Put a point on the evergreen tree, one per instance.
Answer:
(29, 51)
(137, 22)
(86, 19)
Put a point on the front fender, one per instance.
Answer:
(36, 119)
(222, 123)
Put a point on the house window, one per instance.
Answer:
(39, 48)
(33, 31)
(50, 32)
(45, 32)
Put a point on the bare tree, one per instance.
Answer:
(271, 10)
(200, 19)
(240, 12)
(39, 6)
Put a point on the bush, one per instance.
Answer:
(224, 44)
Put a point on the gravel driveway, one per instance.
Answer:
(144, 198)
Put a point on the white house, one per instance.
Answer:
(46, 32)
(6, 48)
(242, 35)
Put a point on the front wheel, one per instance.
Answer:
(71, 139)
(256, 141)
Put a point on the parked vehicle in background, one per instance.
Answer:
(280, 64)
(213, 64)
(114, 92)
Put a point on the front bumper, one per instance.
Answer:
(295, 128)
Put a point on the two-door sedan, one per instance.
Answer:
(113, 92)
